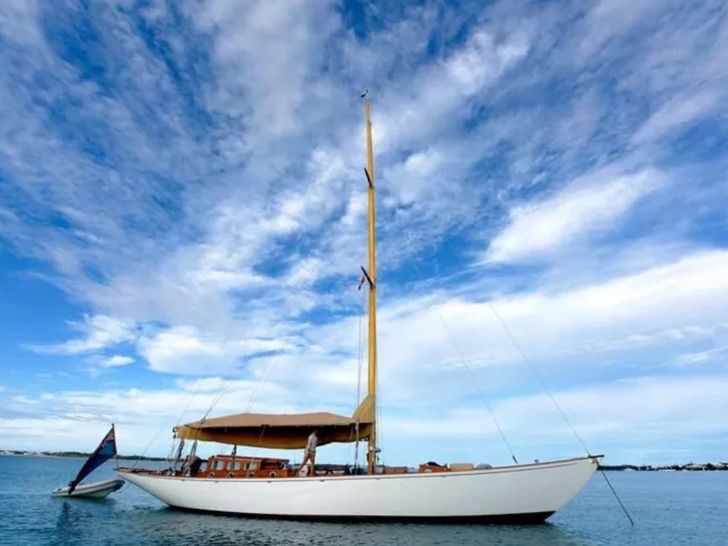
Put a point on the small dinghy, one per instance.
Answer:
(97, 490)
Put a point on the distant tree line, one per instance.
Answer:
(74, 454)
(689, 467)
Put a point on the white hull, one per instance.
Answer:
(97, 490)
(524, 493)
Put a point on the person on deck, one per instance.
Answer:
(309, 453)
(191, 465)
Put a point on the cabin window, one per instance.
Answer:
(234, 465)
(251, 466)
(219, 465)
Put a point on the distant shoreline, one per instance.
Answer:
(70, 455)
(686, 467)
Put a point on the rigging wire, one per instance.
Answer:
(380, 424)
(546, 389)
(539, 378)
(465, 361)
(359, 360)
(258, 385)
(472, 375)
(146, 448)
(190, 397)
(228, 386)
(556, 404)
(219, 396)
(220, 349)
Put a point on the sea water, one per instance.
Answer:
(668, 508)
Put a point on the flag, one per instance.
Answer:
(105, 451)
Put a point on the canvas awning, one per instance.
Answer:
(281, 431)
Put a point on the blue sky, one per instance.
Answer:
(182, 215)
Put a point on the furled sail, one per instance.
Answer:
(281, 431)
(105, 451)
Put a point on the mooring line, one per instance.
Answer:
(616, 496)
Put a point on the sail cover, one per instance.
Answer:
(105, 451)
(280, 431)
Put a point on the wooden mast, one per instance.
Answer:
(372, 278)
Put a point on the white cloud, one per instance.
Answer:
(305, 272)
(638, 321)
(702, 358)
(647, 338)
(115, 361)
(24, 400)
(483, 60)
(18, 21)
(537, 230)
(186, 350)
(675, 113)
(612, 19)
(289, 36)
(78, 419)
(418, 179)
(623, 419)
(100, 332)
(436, 93)
(421, 371)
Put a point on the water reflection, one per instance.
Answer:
(80, 519)
(68, 524)
(170, 526)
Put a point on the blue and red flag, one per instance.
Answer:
(105, 451)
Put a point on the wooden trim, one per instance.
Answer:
(415, 475)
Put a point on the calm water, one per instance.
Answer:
(669, 507)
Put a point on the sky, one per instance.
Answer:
(183, 218)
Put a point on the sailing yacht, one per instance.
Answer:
(272, 487)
